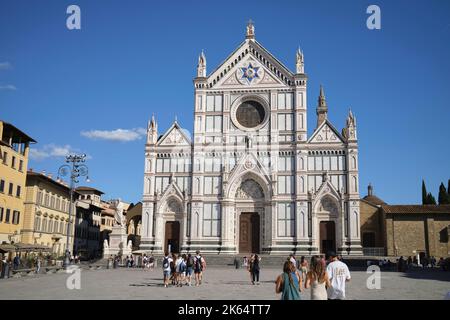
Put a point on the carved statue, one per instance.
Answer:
(118, 214)
(105, 244)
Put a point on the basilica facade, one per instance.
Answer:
(250, 179)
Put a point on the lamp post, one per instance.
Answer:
(75, 168)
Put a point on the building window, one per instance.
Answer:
(58, 204)
(212, 185)
(188, 220)
(13, 162)
(1, 213)
(2, 186)
(8, 213)
(44, 225)
(368, 239)
(10, 189)
(285, 122)
(212, 164)
(46, 200)
(285, 184)
(214, 103)
(184, 183)
(211, 220)
(285, 163)
(20, 165)
(286, 220)
(5, 158)
(18, 191)
(39, 197)
(16, 217)
(52, 202)
(213, 124)
(285, 101)
(37, 223)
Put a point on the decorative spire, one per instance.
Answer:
(250, 30)
(201, 66)
(152, 131)
(300, 63)
(350, 129)
(322, 108)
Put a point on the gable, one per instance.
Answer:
(230, 72)
(326, 133)
(174, 137)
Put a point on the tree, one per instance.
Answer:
(443, 195)
(430, 199)
(424, 193)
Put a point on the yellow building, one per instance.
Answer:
(47, 213)
(14, 149)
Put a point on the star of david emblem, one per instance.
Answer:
(250, 72)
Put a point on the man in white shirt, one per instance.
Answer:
(339, 274)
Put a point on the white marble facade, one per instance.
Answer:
(250, 155)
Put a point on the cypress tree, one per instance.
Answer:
(430, 199)
(424, 192)
(443, 195)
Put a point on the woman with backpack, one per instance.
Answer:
(167, 260)
(173, 269)
(198, 268)
(189, 269)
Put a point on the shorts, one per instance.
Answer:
(166, 273)
(189, 271)
(197, 271)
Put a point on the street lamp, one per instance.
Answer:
(74, 169)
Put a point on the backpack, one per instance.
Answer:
(198, 264)
(190, 262)
(165, 263)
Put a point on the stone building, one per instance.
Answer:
(46, 215)
(14, 150)
(407, 230)
(251, 179)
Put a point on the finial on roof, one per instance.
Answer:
(201, 66)
(250, 30)
(300, 65)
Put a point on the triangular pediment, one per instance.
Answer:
(326, 133)
(263, 69)
(248, 162)
(172, 191)
(175, 136)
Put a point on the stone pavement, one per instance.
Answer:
(219, 283)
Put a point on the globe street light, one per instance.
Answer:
(74, 169)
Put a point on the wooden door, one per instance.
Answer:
(327, 236)
(249, 232)
(172, 236)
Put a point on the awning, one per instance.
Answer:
(24, 247)
(7, 248)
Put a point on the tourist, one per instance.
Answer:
(250, 266)
(293, 260)
(245, 263)
(401, 264)
(338, 274)
(289, 283)
(16, 262)
(38, 264)
(317, 279)
(181, 269)
(145, 261)
(255, 269)
(189, 269)
(198, 268)
(433, 262)
(151, 262)
(132, 262)
(4, 268)
(173, 269)
(167, 260)
(303, 267)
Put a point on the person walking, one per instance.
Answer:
(338, 274)
(173, 269)
(317, 279)
(303, 268)
(198, 268)
(16, 262)
(255, 269)
(289, 283)
(293, 260)
(167, 260)
(38, 264)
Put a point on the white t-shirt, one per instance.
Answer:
(169, 259)
(338, 273)
(293, 261)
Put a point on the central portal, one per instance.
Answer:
(249, 232)
(172, 236)
(327, 236)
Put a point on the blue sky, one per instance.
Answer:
(134, 58)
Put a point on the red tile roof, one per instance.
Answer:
(417, 209)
